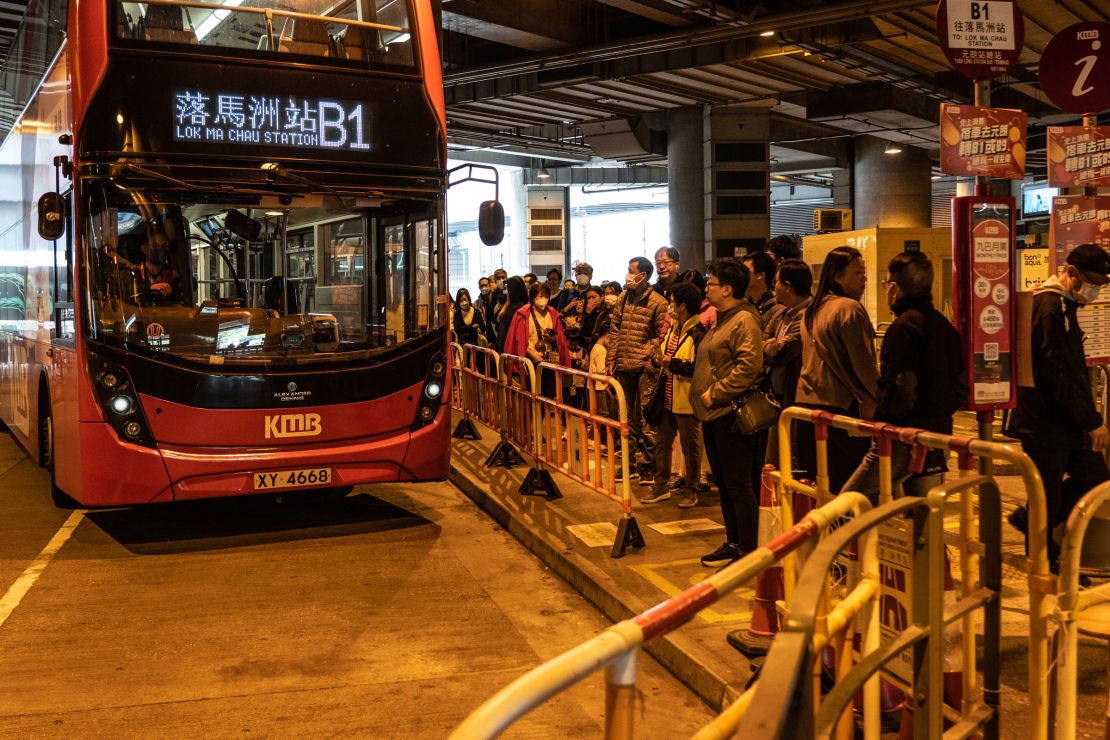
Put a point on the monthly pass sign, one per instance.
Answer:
(281, 120)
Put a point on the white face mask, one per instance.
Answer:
(611, 300)
(631, 280)
(583, 280)
(501, 284)
(541, 303)
(1088, 292)
(484, 291)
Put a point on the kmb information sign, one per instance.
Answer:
(1075, 68)
(981, 38)
(983, 302)
(1079, 156)
(985, 142)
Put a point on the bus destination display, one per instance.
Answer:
(281, 120)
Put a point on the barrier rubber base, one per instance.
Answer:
(628, 535)
(504, 455)
(750, 645)
(539, 482)
(466, 430)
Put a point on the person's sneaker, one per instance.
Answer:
(688, 501)
(723, 555)
(647, 479)
(655, 497)
(676, 483)
(620, 475)
(1019, 519)
(702, 486)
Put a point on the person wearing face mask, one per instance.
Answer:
(499, 288)
(922, 378)
(839, 372)
(537, 333)
(484, 305)
(610, 294)
(637, 322)
(1056, 419)
(469, 323)
(573, 301)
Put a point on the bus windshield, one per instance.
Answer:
(204, 280)
(372, 32)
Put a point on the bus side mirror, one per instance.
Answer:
(52, 216)
(491, 223)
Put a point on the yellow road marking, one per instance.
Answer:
(651, 573)
(23, 584)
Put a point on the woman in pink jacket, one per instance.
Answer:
(537, 333)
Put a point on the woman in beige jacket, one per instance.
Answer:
(839, 373)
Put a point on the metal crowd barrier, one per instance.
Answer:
(615, 649)
(1072, 606)
(788, 703)
(1041, 584)
(585, 444)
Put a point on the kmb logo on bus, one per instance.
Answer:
(279, 426)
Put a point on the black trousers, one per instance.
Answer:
(845, 452)
(731, 458)
(637, 386)
(1085, 470)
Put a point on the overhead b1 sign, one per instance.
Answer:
(981, 38)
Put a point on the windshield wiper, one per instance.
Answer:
(130, 167)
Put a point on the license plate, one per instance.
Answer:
(304, 478)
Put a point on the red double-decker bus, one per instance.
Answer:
(222, 264)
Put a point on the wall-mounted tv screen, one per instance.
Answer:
(1036, 200)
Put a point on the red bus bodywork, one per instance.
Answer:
(199, 450)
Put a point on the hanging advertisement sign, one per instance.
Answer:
(981, 38)
(984, 142)
(1085, 219)
(1079, 156)
(983, 305)
(1075, 68)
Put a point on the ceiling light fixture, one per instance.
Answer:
(766, 34)
(543, 174)
(893, 147)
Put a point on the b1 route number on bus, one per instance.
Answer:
(292, 478)
(281, 120)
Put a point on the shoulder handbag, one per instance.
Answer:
(755, 409)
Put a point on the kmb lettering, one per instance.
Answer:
(292, 425)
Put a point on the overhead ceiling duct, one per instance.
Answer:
(620, 138)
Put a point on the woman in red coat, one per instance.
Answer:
(537, 333)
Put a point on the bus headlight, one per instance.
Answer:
(427, 413)
(110, 380)
(122, 405)
(132, 429)
(438, 368)
(433, 389)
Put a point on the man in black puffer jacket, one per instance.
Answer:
(922, 378)
(1056, 419)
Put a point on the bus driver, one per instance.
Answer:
(153, 275)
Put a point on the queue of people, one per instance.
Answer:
(687, 349)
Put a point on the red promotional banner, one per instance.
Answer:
(984, 142)
(1079, 156)
(1085, 219)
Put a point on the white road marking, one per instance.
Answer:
(23, 584)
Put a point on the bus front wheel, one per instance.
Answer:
(46, 452)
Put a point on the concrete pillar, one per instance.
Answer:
(737, 180)
(890, 190)
(686, 196)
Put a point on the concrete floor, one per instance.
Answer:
(392, 612)
(669, 563)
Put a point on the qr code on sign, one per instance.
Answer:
(990, 351)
